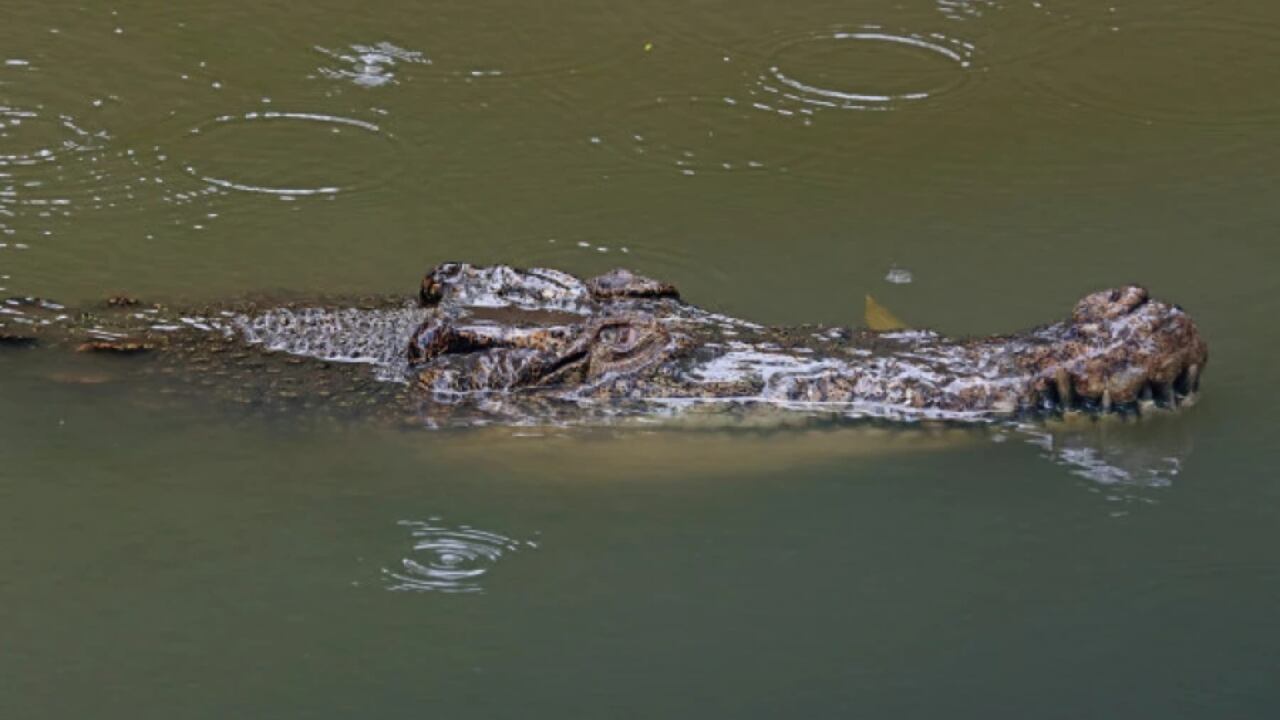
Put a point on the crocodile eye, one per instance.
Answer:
(617, 335)
(625, 346)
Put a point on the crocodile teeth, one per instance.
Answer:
(1146, 400)
(1106, 401)
(1047, 398)
(1062, 382)
(1189, 381)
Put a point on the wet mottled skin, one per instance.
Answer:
(494, 343)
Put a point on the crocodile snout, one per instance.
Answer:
(1122, 351)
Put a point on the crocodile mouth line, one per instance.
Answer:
(1059, 397)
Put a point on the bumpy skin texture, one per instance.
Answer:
(499, 344)
(623, 337)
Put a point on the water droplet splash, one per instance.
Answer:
(370, 65)
(965, 9)
(449, 560)
(898, 275)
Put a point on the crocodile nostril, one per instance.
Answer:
(431, 294)
(1131, 298)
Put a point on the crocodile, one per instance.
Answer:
(481, 344)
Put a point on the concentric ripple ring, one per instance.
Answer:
(269, 151)
(449, 560)
(16, 121)
(806, 69)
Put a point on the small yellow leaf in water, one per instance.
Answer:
(648, 46)
(879, 319)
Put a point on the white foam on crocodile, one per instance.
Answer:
(532, 289)
(745, 362)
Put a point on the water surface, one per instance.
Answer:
(776, 162)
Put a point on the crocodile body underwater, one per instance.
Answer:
(485, 344)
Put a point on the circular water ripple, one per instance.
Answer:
(32, 136)
(55, 165)
(1192, 69)
(289, 154)
(449, 560)
(866, 68)
(63, 151)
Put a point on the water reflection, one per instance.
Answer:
(449, 559)
(1116, 453)
(1121, 460)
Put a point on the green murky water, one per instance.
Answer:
(777, 162)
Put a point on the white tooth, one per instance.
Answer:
(1065, 394)
(1106, 401)
(1146, 401)
(1193, 378)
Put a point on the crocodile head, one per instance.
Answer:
(450, 354)
(454, 284)
(1119, 349)
(503, 328)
